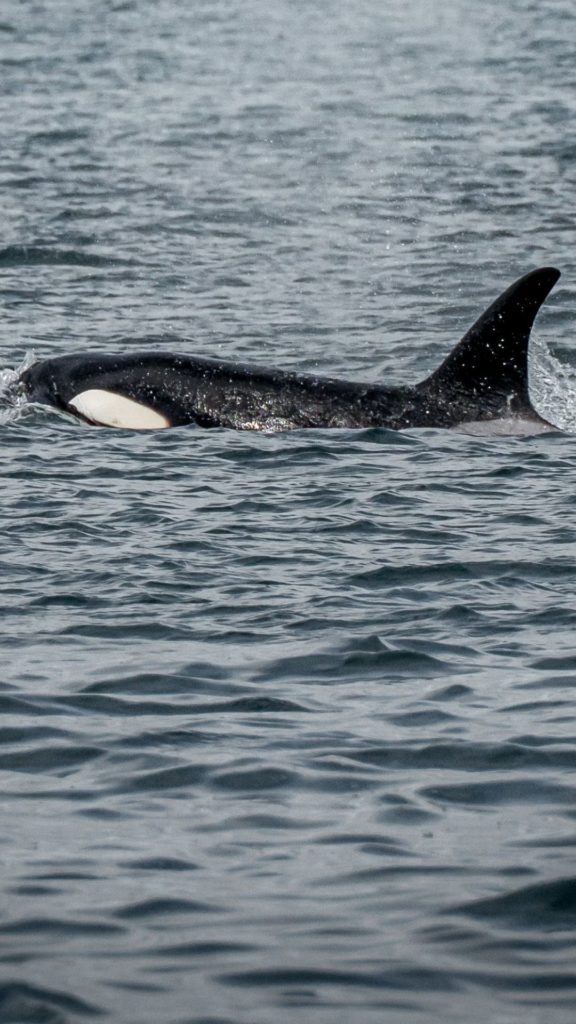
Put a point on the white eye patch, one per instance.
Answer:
(110, 410)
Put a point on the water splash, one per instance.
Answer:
(552, 387)
(12, 398)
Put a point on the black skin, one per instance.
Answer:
(484, 378)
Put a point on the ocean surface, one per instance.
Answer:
(287, 721)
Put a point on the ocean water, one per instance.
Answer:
(288, 721)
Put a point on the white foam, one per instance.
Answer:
(506, 426)
(13, 401)
(110, 410)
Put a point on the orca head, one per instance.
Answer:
(99, 389)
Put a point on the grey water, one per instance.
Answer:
(288, 721)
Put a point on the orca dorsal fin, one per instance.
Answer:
(491, 360)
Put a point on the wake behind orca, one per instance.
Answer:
(483, 382)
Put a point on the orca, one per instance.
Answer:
(482, 384)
